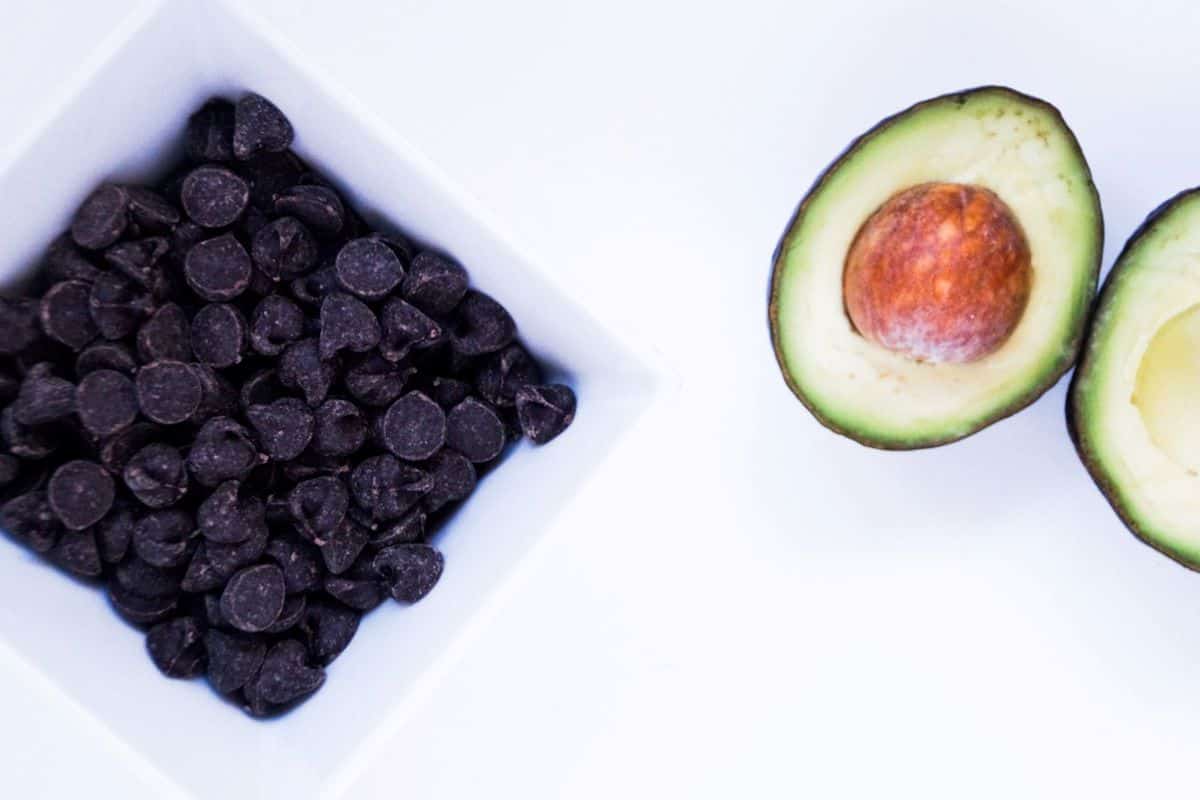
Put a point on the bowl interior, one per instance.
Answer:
(123, 121)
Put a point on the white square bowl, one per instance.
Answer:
(123, 120)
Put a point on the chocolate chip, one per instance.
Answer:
(102, 218)
(64, 261)
(229, 558)
(177, 648)
(410, 571)
(117, 306)
(388, 488)
(166, 336)
(157, 476)
(253, 598)
(375, 381)
(283, 679)
(233, 659)
(218, 335)
(481, 325)
(448, 392)
(410, 528)
(76, 552)
(414, 427)
(80, 493)
(107, 402)
(318, 506)
(138, 259)
(114, 533)
(217, 395)
(30, 519)
(138, 609)
(65, 314)
(164, 538)
(313, 288)
(301, 367)
(293, 612)
(222, 451)
(105, 355)
(150, 210)
(404, 327)
(362, 594)
(19, 322)
(368, 268)
(474, 430)
(42, 397)
(259, 127)
(202, 574)
(339, 428)
(218, 269)
(214, 196)
(453, 479)
(168, 392)
(226, 517)
(24, 441)
(346, 324)
(318, 207)
(343, 546)
(328, 629)
(545, 411)
(275, 323)
(506, 372)
(434, 284)
(284, 249)
(117, 449)
(284, 427)
(209, 134)
(301, 565)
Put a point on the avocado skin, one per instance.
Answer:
(1074, 405)
(1070, 352)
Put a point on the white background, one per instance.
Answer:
(741, 604)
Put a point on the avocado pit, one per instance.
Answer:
(940, 273)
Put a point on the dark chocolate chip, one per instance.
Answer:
(229, 558)
(293, 612)
(209, 134)
(374, 381)
(339, 428)
(166, 336)
(301, 564)
(284, 249)
(259, 127)
(107, 402)
(27, 442)
(506, 372)
(301, 367)
(80, 493)
(448, 392)
(227, 517)
(138, 609)
(410, 528)
(222, 451)
(404, 327)
(105, 355)
(114, 533)
(42, 397)
(168, 392)
(313, 288)
(434, 284)
(117, 449)
(19, 321)
(202, 574)
(218, 335)
(66, 316)
(362, 594)
(453, 479)
(150, 210)
(283, 679)
(102, 218)
(347, 324)
(328, 628)
(343, 546)
(214, 196)
(388, 488)
(318, 207)
(318, 506)
(117, 305)
(474, 430)
(233, 659)
(177, 648)
(138, 260)
(368, 268)
(284, 427)
(275, 323)
(414, 427)
(218, 269)
(253, 598)
(481, 325)
(545, 411)
(76, 552)
(164, 538)
(66, 262)
(146, 580)
(30, 520)
(157, 476)
(217, 395)
(410, 571)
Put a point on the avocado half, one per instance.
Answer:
(1132, 408)
(1019, 148)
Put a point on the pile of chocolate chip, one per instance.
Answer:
(244, 412)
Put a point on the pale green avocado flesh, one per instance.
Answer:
(1135, 400)
(1014, 145)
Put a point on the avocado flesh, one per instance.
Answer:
(1133, 403)
(1017, 147)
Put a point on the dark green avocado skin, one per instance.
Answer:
(1070, 351)
(1075, 393)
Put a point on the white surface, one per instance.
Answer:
(741, 604)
